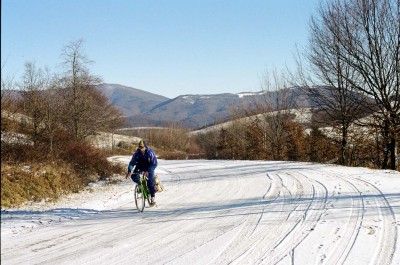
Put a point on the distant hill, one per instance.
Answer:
(194, 111)
(129, 100)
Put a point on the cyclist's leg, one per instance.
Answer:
(150, 183)
(136, 176)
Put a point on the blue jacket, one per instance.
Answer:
(143, 162)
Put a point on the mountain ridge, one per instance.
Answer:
(129, 100)
(191, 110)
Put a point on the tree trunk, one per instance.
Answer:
(393, 153)
(343, 147)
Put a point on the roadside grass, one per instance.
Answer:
(36, 182)
(25, 179)
(171, 154)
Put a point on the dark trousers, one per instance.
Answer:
(150, 180)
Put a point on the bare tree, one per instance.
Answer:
(265, 126)
(373, 46)
(237, 131)
(34, 82)
(356, 45)
(7, 101)
(77, 83)
(86, 110)
(262, 129)
(208, 142)
(275, 111)
(53, 105)
(337, 103)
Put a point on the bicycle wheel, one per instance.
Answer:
(139, 198)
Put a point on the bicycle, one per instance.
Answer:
(142, 192)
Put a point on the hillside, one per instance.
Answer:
(194, 111)
(300, 115)
(129, 100)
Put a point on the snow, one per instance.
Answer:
(249, 94)
(108, 140)
(218, 212)
(189, 99)
(15, 138)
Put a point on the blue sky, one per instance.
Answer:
(166, 47)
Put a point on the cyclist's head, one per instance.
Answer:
(142, 145)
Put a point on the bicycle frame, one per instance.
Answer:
(145, 189)
(142, 193)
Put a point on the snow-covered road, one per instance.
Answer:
(218, 212)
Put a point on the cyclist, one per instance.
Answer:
(144, 160)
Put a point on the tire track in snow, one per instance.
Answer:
(291, 188)
(387, 243)
(386, 246)
(305, 220)
(298, 216)
(199, 216)
(246, 239)
(346, 239)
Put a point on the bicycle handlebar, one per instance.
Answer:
(141, 174)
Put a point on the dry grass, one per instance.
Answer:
(35, 182)
(171, 154)
(27, 175)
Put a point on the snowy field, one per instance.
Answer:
(218, 212)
